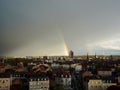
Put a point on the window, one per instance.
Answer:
(6, 80)
(3, 81)
(91, 87)
(95, 86)
(100, 87)
(31, 83)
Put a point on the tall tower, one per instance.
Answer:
(87, 56)
(71, 54)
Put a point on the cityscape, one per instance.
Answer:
(90, 72)
(59, 45)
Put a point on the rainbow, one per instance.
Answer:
(66, 48)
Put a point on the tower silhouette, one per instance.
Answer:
(71, 54)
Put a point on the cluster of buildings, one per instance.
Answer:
(59, 72)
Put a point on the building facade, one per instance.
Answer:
(99, 85)
(105, 73)
(4, 83)
(39, 84)
(64, 80)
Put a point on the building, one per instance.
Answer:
(39, 83)
(2, 70)
(41, 68)
(99, 84)
(65, 67)
(64, 80)
(71, 54)
(87, 74)
(2, 67)
(78, 68)
(118, 80)
(17, 75)
(105, 72)
(55, 66)
(87, 56)
(4, 83)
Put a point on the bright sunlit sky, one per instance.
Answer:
(50, 27)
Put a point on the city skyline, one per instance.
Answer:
(54, 27)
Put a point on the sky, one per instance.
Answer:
(53, 27)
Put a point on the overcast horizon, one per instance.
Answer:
(53, 27)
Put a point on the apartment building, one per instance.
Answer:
(39, 83)
(99, 84)
(4, 83)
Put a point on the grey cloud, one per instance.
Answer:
(80, 23)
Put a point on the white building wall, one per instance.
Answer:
(98, 85)
(64, 80)
(4, 83)
(78, 68)
(39, 85)
(105, 73)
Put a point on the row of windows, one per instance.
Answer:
(17, 75)
(92, 82)
(38, 83)
(64, 81)
(4, 88)
(41, 79)
(3, 85)
(4, 81)
(96, 86)
(99, 86)
(38, 87)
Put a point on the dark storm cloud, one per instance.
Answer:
(27, 22)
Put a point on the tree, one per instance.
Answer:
(58, 87)
(10, 62)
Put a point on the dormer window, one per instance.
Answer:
(110, 81)
(3, 81)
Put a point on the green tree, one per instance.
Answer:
(58, 87)
(10, 62)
